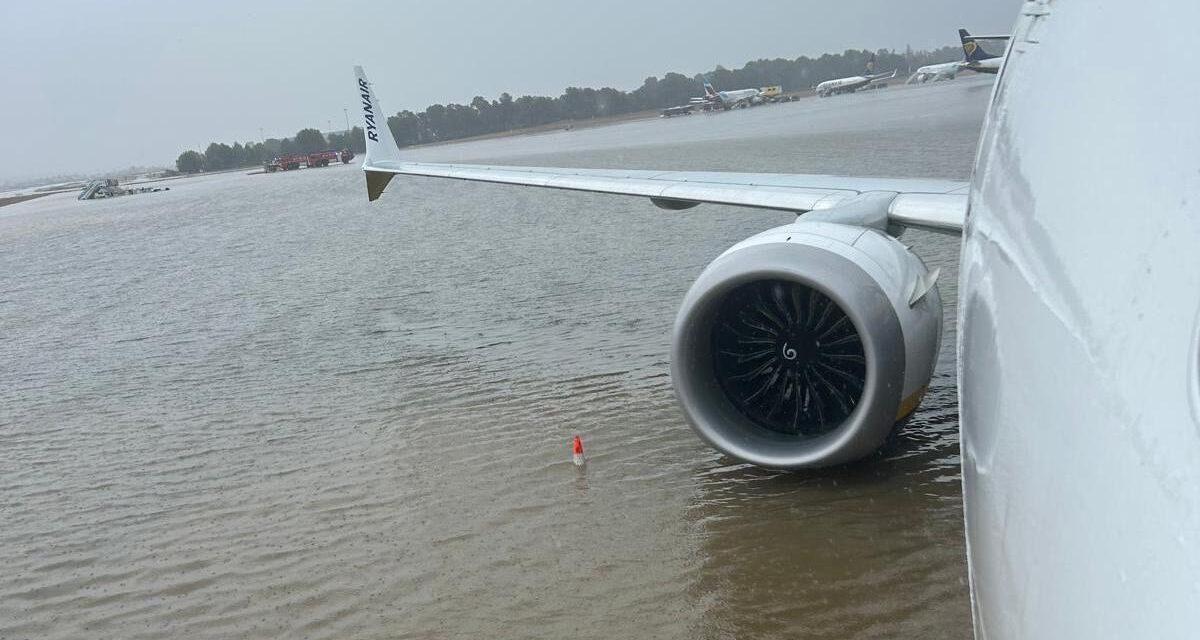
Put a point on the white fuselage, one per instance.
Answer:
(732, 98)
(847, 85)
(735, 96)
(991, 65)
(726, 99)
(943, 71)
(1079, 335)
(842, 85)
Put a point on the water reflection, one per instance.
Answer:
(866, 550)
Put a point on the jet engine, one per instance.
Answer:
(805, 345)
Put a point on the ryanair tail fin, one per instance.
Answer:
(972, 50)
(381, 146)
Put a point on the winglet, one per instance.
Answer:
(381, 146)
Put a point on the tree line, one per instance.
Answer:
(439, 123)
(220, 156)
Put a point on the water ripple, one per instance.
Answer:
(253, 406)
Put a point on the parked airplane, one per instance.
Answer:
(851, 84)
(1078, 332)
(682, 110)
(726, 99)
(975, 58)
(935, 72)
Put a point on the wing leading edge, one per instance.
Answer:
(936, 205)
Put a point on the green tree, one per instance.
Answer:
(447, 122)
(405, 127)
(309, 140)
(505, 112)
(239, 155)
(578, 104)
(488, 114)
(358, 143)
(434, 118)
(190, 162)
(254, 153)
(218, 156)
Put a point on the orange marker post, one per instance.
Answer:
(577, 452)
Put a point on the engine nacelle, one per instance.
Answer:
(805, 345)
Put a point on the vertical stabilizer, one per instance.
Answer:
(972, 50)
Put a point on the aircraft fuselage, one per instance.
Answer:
(731, 99)
(991, 65)
(944, 71)
(1079, 336)
(842, 85)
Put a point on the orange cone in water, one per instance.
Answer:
(577, 452)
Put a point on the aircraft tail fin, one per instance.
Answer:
(381, 146)
(709, 91)
(972, 50)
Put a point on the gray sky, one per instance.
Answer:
(92, 86)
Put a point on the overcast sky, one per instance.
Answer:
(93, 86)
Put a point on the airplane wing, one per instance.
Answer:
(884, 76)
(936, 205)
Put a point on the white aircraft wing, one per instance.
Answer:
(883, 76)
(937, 205)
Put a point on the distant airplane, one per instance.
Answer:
(851, 83)
(935, 72)
(726, 99)
(682, 110)
(975, 58)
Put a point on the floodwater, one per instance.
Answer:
(258, 407)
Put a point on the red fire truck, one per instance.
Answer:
(285, 163)
(295, 161)
(322, 158)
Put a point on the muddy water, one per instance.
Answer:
(255, 407)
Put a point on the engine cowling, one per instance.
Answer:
(805, 345)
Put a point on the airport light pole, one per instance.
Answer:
(347, 114)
